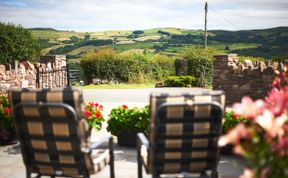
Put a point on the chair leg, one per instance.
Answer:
(214, 173)
(140, 175)
(28, 173)
(111, 161)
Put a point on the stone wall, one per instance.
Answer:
(52, 72)
(23, 75)
(243, 79)
(28, 75)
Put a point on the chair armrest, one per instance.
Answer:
(142, 140)
(93, 145)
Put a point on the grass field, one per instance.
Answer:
(118, 86)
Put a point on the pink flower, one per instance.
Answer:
(101, 107)
(277, 101)
(248, 173)
(248, 108)
(276, 82)
(281, 146)
(234, 136)
(273, 126)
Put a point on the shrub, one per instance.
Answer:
(105, 64)
(181, 81)
(123, 119)
(17, 43)
(200, 62)
(94, 116)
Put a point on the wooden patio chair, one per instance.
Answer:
(183, 135)
(53, 134)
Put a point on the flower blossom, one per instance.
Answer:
(248, 173)
(87, 113)
(277, 101)
(248, 108)
(272, 125)
(124, 106)
(234, 136)
(7, 110)
(282, 146)
(98, 115)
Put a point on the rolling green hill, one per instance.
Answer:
(267, 43)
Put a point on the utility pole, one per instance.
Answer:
(205, 33)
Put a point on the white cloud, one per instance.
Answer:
(95, 15)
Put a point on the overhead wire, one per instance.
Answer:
(228, 21)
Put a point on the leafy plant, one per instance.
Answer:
(106, 64)
(123, 119)
(94, 116)
(231, 120)
(200, 62)
(17, 44)
(263, 142)
(6, 120)
(181, 81)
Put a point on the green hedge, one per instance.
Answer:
(181, 81)
(106, 64)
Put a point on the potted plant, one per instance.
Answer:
(94, 116)
(231, 120)
(125, 122)
(7, 127)
(264, 141)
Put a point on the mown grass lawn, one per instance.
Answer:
(119, 86)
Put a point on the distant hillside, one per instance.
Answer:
(266, 43)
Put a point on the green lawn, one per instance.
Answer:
(118, 86)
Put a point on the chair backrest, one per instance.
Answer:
(51, 138)
(184, 131)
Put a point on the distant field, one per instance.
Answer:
(53, 35)
(235, 46)
(265, 43)
(84, 49)
(138, 45)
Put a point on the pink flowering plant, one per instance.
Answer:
(6, 120)
(263, 142)
(93, 114)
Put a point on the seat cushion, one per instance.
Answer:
(101, 158)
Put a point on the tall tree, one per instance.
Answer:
(16, 43)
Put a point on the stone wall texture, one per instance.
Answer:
(45, 74)
(243, 79)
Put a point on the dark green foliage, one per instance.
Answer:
(138, 32)
(128, 68)
(181, 81)
(79, 43)
(186, 39)
(123, 119)
(44, 43)
(163, 32)
(16, 43)
(200, 62)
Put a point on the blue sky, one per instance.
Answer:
(99, 15)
